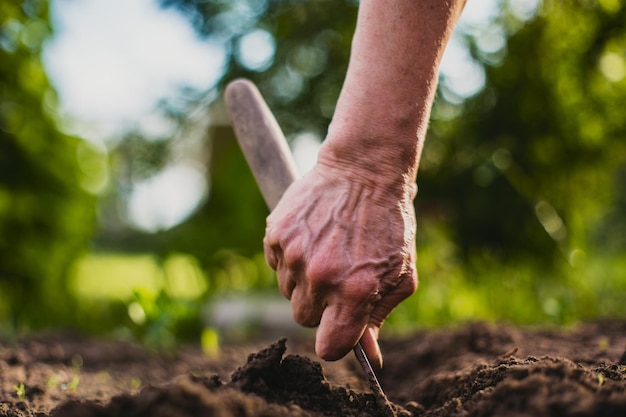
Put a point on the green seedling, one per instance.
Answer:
(135, 383)
(20, 391)
(600, 379)
(73, 384)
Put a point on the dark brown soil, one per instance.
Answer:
(473, 370)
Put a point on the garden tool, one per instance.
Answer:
(271, 162)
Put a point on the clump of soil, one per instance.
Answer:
(299, 382)
(474, 370)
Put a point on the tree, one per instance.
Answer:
(530, 166)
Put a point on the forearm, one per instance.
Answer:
(382, 114)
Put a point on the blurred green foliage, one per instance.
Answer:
(533, 160)
(46, 217)
(521, 206)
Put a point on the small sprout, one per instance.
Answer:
(73, 384)
(600, 379)
(20, 391)
(77, 365)
(135, 383)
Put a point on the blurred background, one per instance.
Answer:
(127, 209)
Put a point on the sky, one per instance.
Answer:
(113, 61)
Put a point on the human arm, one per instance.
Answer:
(342, 239)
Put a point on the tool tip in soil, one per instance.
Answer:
(386, 409)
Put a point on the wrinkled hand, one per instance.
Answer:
(343, 247)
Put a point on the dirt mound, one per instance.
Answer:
(267, 385)
(475, 370)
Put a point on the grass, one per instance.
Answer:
(20, 391)
(587, 286)
(156, 299)
(118, 276)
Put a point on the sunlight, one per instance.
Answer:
(256, 50)
(167, 198)
(113, 61)
(305, 147)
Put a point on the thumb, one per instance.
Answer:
(369, 342)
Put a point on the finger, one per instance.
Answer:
(286, 262)
(278, 243)
(334, 340)
(286, 279)
(382, 309)
(290, 268)
(271, 248)
(341, 326)
(275, 259)
(307, 307)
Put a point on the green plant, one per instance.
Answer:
(20, 391)
(73, 385)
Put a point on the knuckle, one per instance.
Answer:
(322, 271)
(271, 255)
(293, 255)
(305, 318)
(318, 279)
(409, 284)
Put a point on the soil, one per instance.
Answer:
(472, 370)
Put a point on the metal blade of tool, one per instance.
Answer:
(267, 153)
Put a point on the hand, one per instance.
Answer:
(343, 247)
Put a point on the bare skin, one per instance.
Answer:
(342, 238)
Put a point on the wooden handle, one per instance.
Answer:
(261, 140)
